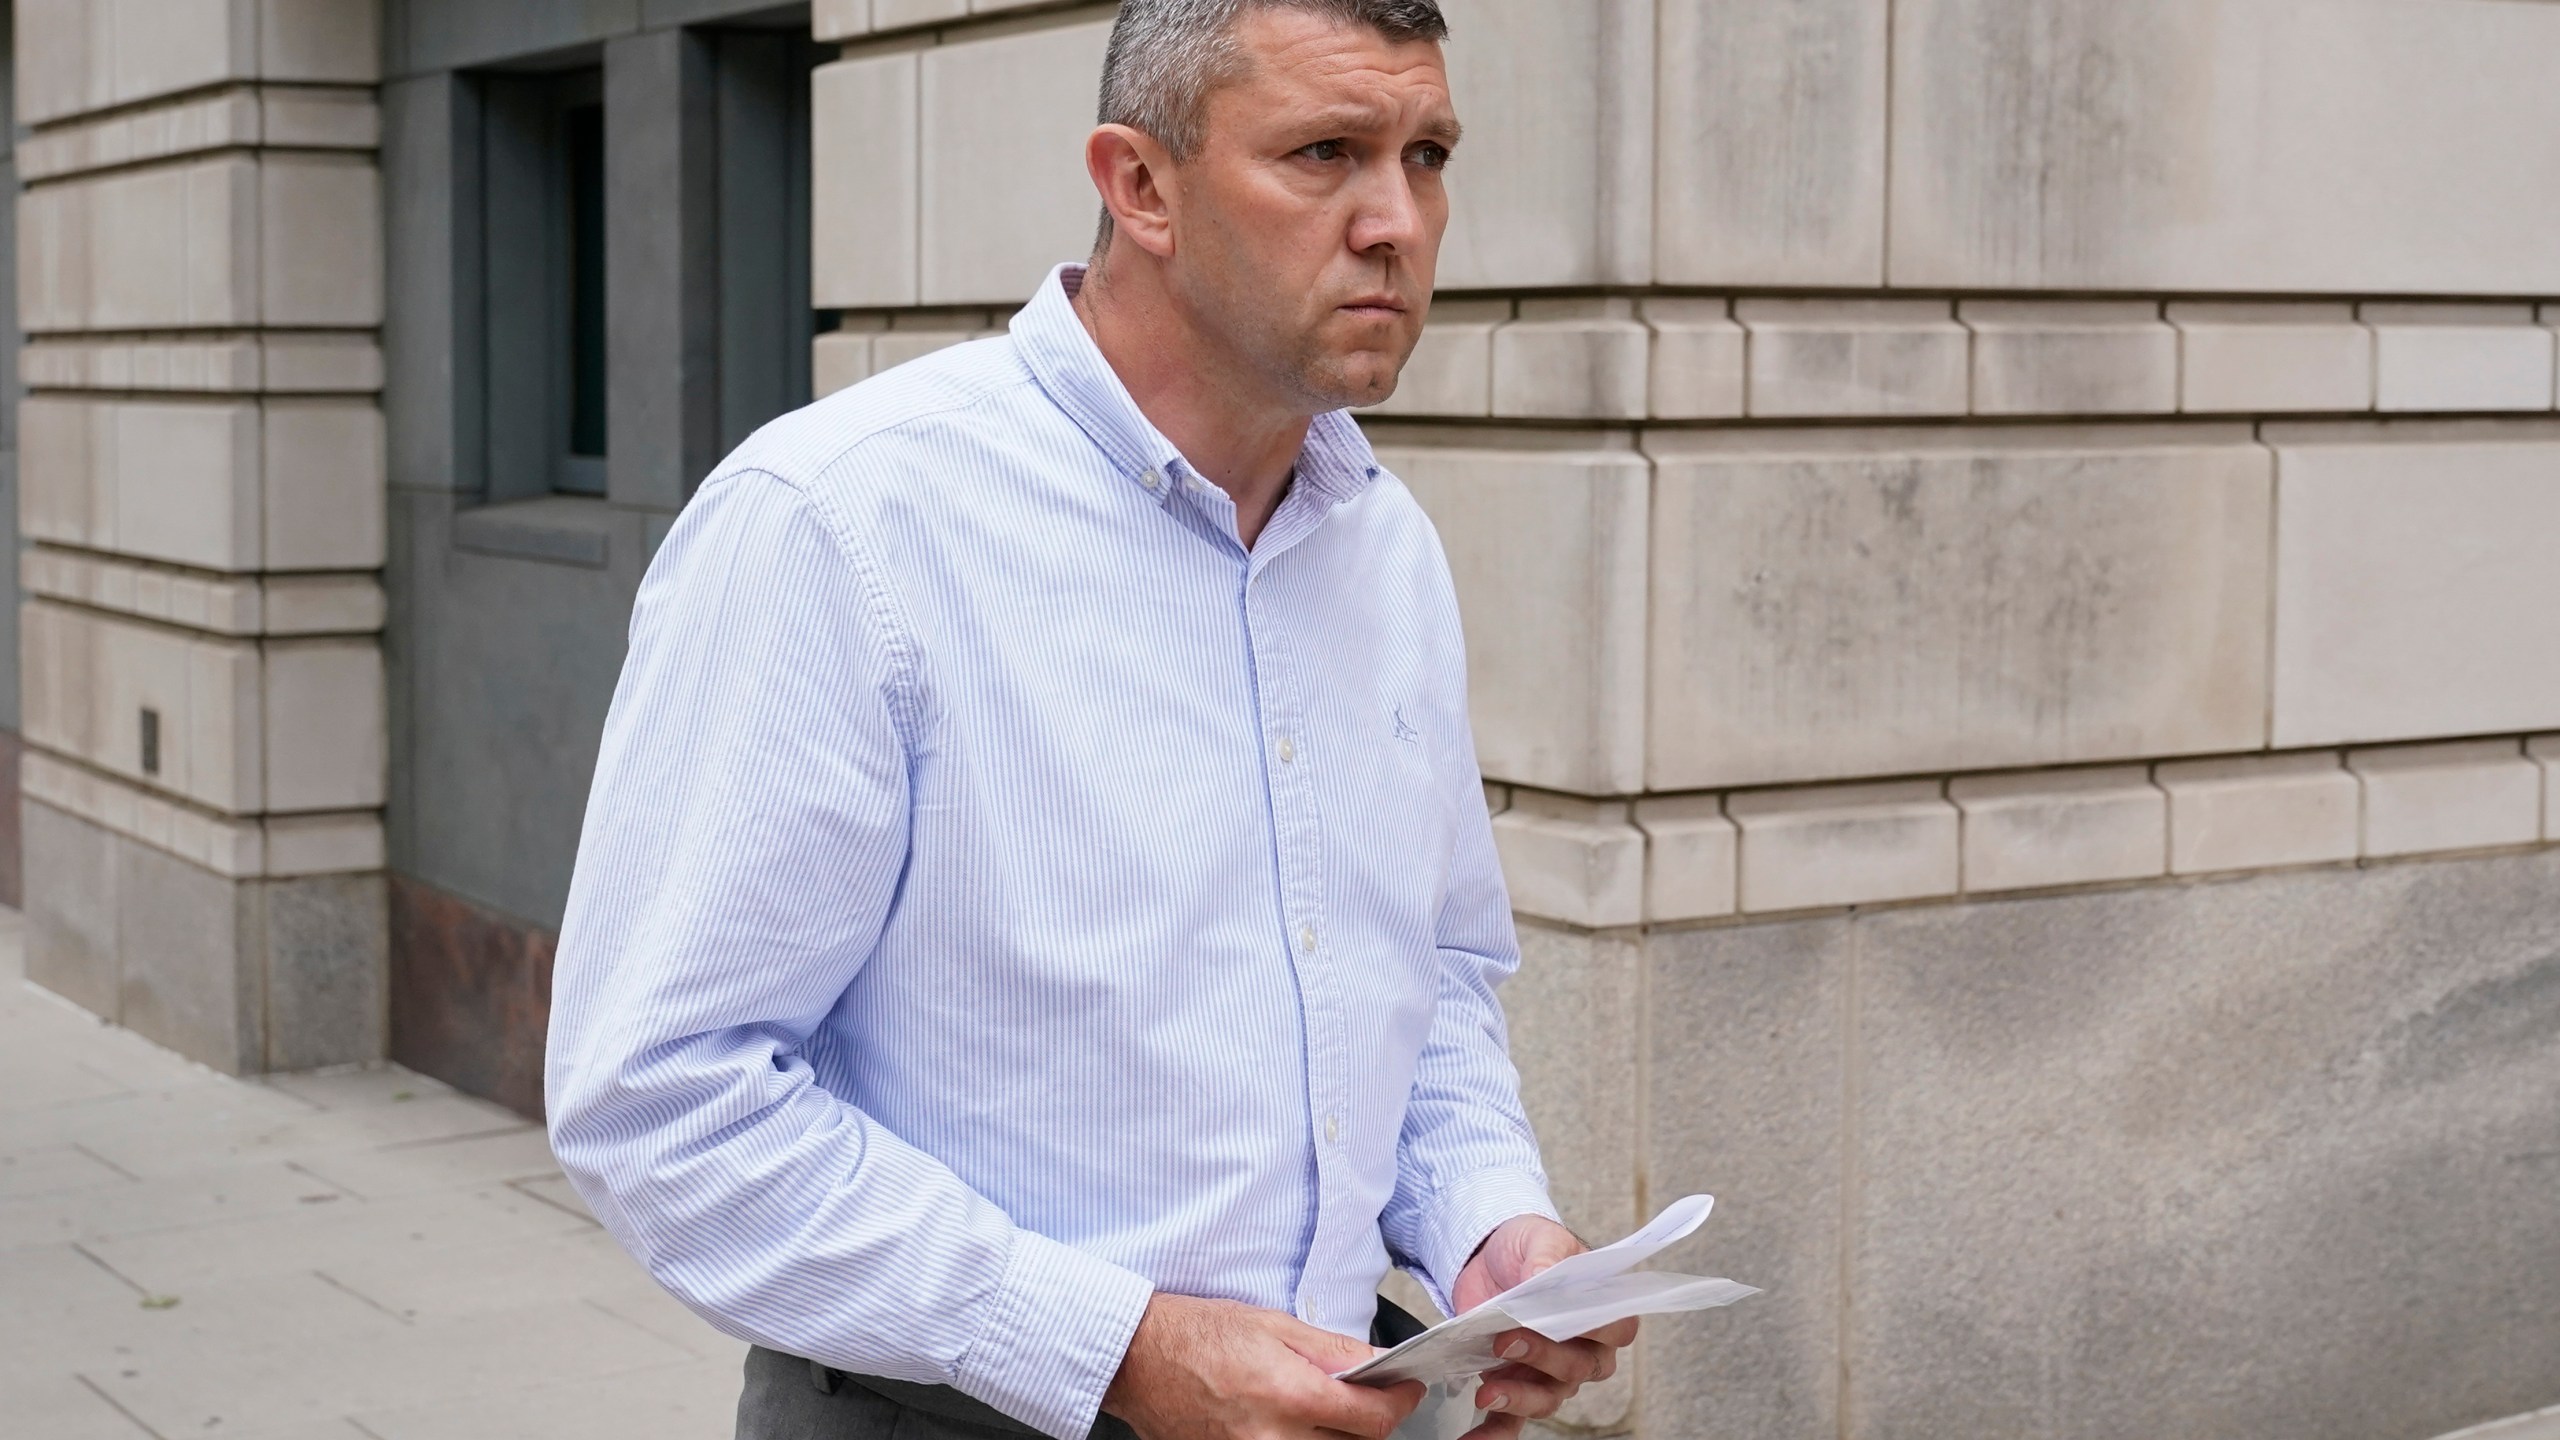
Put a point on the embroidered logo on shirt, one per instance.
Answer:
(1404, 732)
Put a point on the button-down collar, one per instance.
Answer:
(1335, 465)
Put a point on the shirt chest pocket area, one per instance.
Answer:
(1389, 824)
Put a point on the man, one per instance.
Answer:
(1032, 955)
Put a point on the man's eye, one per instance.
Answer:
(1431, 157)
(1324, 150)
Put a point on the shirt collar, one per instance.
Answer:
(1336, 464)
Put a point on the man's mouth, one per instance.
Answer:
(1376, 307)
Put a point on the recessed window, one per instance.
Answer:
(543, 240)
(583, 129)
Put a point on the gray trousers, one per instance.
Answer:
(788, 1398)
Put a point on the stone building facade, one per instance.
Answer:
(2008, 548)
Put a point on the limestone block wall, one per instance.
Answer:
(1995, 535)
(200, 284)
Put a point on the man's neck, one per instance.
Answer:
(1237, 437)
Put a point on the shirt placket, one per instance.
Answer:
(1298, 838)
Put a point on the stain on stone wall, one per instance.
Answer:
(470, 994)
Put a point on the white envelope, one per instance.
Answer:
(1573, 1297)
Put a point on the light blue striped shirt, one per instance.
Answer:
(1003, 895)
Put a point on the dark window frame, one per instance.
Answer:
(544, 230)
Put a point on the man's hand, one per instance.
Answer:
(1544, 1373)
(1217, 1370)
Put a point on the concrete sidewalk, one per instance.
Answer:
(184, 1255)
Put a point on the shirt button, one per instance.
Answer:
(1332, 1130)
(1153, 480)
(1307, 938)
(1288, 751)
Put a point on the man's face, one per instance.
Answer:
(1309, 222)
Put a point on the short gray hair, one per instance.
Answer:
(1168, 55)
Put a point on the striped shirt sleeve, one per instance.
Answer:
(743, 843)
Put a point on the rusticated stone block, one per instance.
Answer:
(1572, 360)
(864, 184)
(2061, 827)
(232, 725)
(2034, 357)
(2367, 149)
(1856, 357)
(838, 360)
(1554, 183)
(839, 19)
(1004, 193)
(2467, 795)
(319, 240)
(2460, 357)
(290, 239)
(1573, 860)
(2415, 594)
(321, 485)
(325, 721)
(231, 485)
(1771, 174)
(2258, 812)
(1546, 538)
(1832, 605)
(2272, 358)
(1700, 359)
(76, 55)
(1692, 857)
(899, 14)
(1845, 845)
(92, 678)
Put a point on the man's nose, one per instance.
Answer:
(1389, 217)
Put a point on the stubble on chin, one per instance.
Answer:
(1350, 380)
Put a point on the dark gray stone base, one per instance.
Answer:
(2262, 1157)
(243, 975)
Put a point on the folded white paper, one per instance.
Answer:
(1571, 1298)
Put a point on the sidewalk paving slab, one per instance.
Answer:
(362, 1255)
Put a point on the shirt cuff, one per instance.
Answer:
(1061, 1327)
(1459, 1217)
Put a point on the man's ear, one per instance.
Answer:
(1132, 172)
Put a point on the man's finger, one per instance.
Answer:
(1519, 1390)
(1497, 1427)
(1360, 1409)
(1570, 1361)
